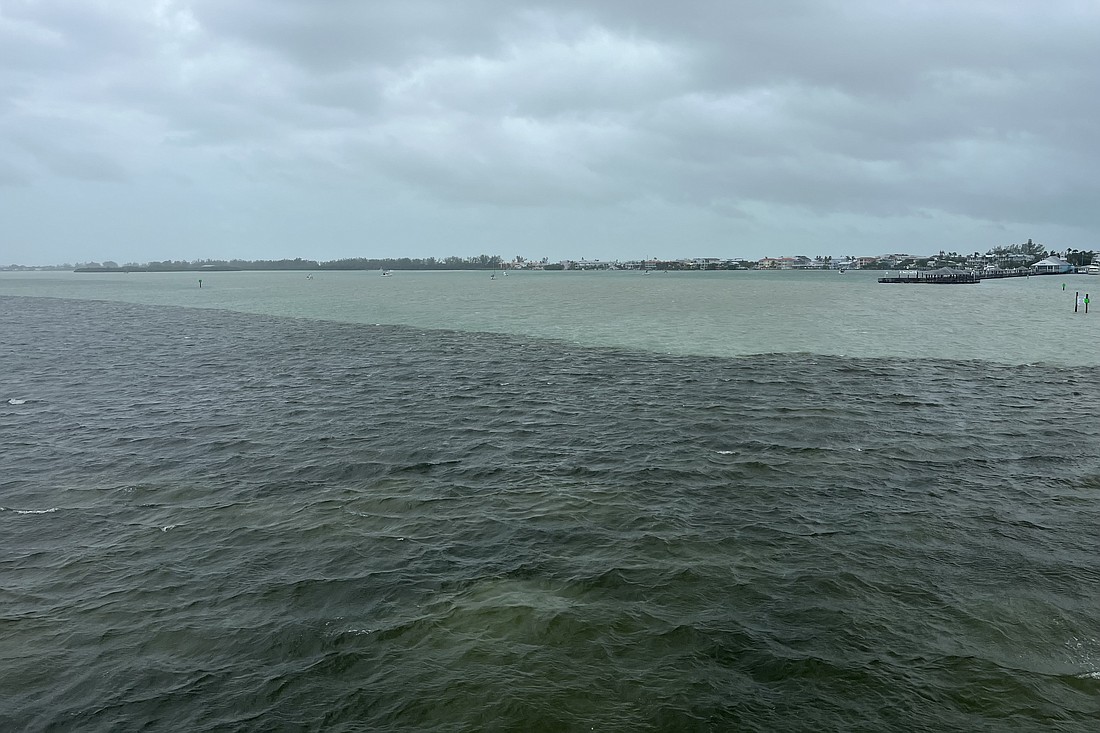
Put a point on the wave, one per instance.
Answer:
(398, 528)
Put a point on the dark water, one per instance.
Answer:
(216, 521)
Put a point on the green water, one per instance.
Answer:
(557, 501)
(1014, 321)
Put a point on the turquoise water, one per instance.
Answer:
(552, 501)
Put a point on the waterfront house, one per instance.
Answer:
(1051, 265)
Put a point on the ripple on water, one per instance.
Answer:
(231, 521)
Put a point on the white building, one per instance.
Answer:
(1054, 265)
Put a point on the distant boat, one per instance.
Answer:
(386, 273)
(1090, 270)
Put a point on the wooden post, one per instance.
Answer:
(1076, 298)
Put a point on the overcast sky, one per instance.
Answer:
(137, 130)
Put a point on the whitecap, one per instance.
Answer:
(13, 401)
(1094, 675)
(168, 527)
(35, 511)
(725, 452)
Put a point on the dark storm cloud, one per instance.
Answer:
(879, 112)
(347, 34)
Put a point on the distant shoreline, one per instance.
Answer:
(231, 268)
(140, 268)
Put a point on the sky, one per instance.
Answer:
(141, 130)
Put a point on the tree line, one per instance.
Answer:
(480, 262)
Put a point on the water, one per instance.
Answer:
(1014, 321)
(546, 502)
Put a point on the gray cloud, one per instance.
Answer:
(12, 174)
(746, 126)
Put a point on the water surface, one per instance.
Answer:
(543, 503)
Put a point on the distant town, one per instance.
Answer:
(1013, 256)
(999, 258)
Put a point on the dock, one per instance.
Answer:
(949, 276)
(942, 276)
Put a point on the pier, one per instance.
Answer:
(942, 276)
(949, 276)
